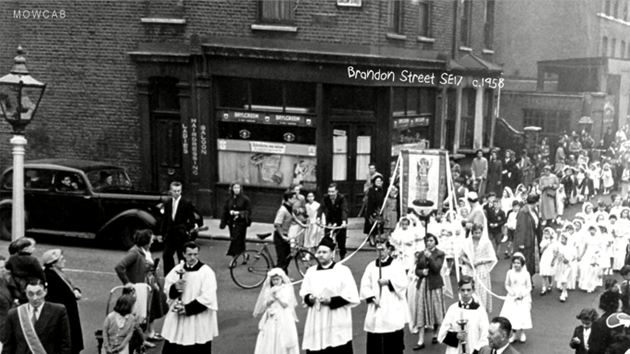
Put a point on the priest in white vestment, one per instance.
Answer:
(384, 287)
(475, 333)
(330, 292)
(191, 322)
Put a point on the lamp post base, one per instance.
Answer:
(19, 144)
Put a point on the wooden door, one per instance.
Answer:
(166, 145)
(353, 150)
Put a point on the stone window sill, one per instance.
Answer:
(275, 28)
(425, 39)
(465, 49)
(164, 21)
(487, 51)
(396, 36)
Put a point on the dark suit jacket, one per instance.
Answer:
(434, 264)
(52, 328)
(6, 302)
(508, 350)
(176, 230)
(579, 333)
(60, 293)
(526, 234)
(495, 170)
(336, 212)
(601, 335)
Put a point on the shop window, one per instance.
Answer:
(424, 16)
(395, 10)
(364, 153)
(466, 23)
(276, 11)
(300, 97)
(488, 30)
(233, 92)
(552, 122)
(340, 157)
(266, 95)
(412, 117)
(605, 46)
(350, 99)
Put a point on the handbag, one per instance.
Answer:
(550, 192)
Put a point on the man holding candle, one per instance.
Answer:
(465, 325)
(191, 323)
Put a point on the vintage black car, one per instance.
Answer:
(80, 198)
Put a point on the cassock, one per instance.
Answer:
(329, 328)
(385, 323)
(194, 331)
(476, 327)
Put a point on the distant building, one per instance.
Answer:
(266, 93)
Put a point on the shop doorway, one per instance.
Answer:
(353, 150)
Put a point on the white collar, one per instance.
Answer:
(502, 349)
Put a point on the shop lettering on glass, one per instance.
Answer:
(203, 139)
(184, 139)
(193, 146)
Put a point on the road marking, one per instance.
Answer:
(87, 271)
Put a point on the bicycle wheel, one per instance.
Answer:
(304, 260)
(249, 269)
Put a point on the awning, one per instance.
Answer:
(472, 64)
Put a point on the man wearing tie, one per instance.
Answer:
(37, 327)
(499, 334)
(178, 219)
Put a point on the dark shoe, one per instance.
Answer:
(434, 340)
(418, 346)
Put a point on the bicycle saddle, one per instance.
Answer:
(263, 236)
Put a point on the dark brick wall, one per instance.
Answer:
(90, 109)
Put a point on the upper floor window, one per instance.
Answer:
(424, 16)
(622, 51)
(625, 12)
(395, 16)
(613, 47)
(488, 30)
(605, 46)
(466, 23)
(616, 13)
(276, 11)
(607, 7)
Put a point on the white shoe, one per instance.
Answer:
(504, 239)
(523, 337)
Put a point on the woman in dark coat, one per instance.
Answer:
(62, 291)
(511, 172)
(375, 199)
(138, 266)
(237, 213)
(601, 336)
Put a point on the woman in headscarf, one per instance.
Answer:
(548, 185)
(62, 291)
(477, 259)
(276, 303)
(237, 216)
(560, 159)
(507, 199)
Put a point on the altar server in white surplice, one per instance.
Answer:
(191, 323)
(475, 331)
(330, 292)
(384, 287)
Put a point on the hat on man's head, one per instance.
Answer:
(328, 242)
(533, 198)
(51, 256)
(473, 197)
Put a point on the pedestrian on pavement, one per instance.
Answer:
(178, 222)
(282, 224)
(582, 333)
(384, 288)
(139, 267)
(237, 216)
(511, 171)
(479, 170)
(61, 290)
(548, 186)
(329, 292)
(601, 336)
(119, 325)
(37, 326)
(518, 303)
(276, 306)
(335, 209)
(499, 334)
(23, 267)
(477, 259)
(191, 324)
(495, 169)
(475, 331)
(426, 295)
(526, 234)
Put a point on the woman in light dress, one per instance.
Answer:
(507, 199)
(276, 303)
(477, 259)
(548, 248)
(518, 302)
(589, 259)
(315, 232)
(562, 261)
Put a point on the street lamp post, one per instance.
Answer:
(16, 90)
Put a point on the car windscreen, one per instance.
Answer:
(101, 179)
(34, 178)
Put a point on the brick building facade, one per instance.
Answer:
(265, 93)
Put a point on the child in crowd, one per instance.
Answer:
(562, 262)
(619, 243)
(608, 254)
(390, 212)
(511, 226)
(589, 259)
(407, 241)
(518, 303)
(119, 326)
(548, 248)
(23, 266)
(560, 200)
(582, 332)
(507, 199)
(595, 175)
(315, 233)
(607, 178)
(297, 230)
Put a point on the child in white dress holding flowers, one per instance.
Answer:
(518, 303)
(548, 247)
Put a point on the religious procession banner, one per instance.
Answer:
(424, 180)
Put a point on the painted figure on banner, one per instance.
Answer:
(422, 183)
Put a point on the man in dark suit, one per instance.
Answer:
(46, 327)
(499, 334)
(495, 169)
(527, 230)
(177, 222)
(335, 208)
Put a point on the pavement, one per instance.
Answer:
(354, 235)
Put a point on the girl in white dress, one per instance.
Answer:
(560, 198)
(608, 250)
(589, 260)
(620, 242)
(315, 232)
(507, 199)
(548, 247)
(276, 303)
(587, 212)
(574, 232)
(607, 178)
(562, 262)
(518, 302)
(595, 175)
(407, 241)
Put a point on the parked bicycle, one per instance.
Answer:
(249, 269)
